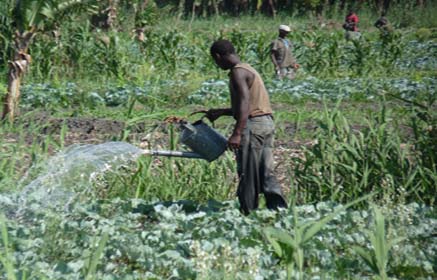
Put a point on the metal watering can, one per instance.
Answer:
(205, 142)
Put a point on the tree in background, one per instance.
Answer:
(271, 7)
(21, 21)
(105, 17)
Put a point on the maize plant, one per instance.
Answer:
(345, 164)
(290, 246)
(377, 258)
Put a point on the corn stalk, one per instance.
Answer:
(290, 246)
(377, 259)
(6, 259)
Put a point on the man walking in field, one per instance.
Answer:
(252, 136)
(385, 28)
(281, 55)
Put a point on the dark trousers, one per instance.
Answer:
(255, 166)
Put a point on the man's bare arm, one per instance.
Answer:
(239, 78)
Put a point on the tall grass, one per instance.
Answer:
(345, 163)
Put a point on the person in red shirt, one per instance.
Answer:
(351, 22)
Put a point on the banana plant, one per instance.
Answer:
(24, 19)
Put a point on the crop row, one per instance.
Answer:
(83, 54)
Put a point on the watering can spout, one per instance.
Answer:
(167, 153)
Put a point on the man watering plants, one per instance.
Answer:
(252, 136)
(282, 58)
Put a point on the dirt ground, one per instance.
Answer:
(79, 130)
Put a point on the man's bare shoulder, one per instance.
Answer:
(240, 73)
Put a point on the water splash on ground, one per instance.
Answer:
(70, 173)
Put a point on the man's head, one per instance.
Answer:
(284, 30)
(223, 53)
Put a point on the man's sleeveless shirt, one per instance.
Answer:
(259, 102)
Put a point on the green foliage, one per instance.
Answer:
(143, 220)
(91, 266)
(6, 259)
(148, 16)
(378, 258)
(114, 54)
(186, 240)
(345, 164)
(171, 179)
(6, 31)
(43, 14)
(361, 57)
(423, 34)
(79, 52)
(290, 247)
(423, 122)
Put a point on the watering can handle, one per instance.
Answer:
(204, 112)
(204, 117)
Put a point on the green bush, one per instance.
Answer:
(423, 34)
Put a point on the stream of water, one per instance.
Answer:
(67, 174)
